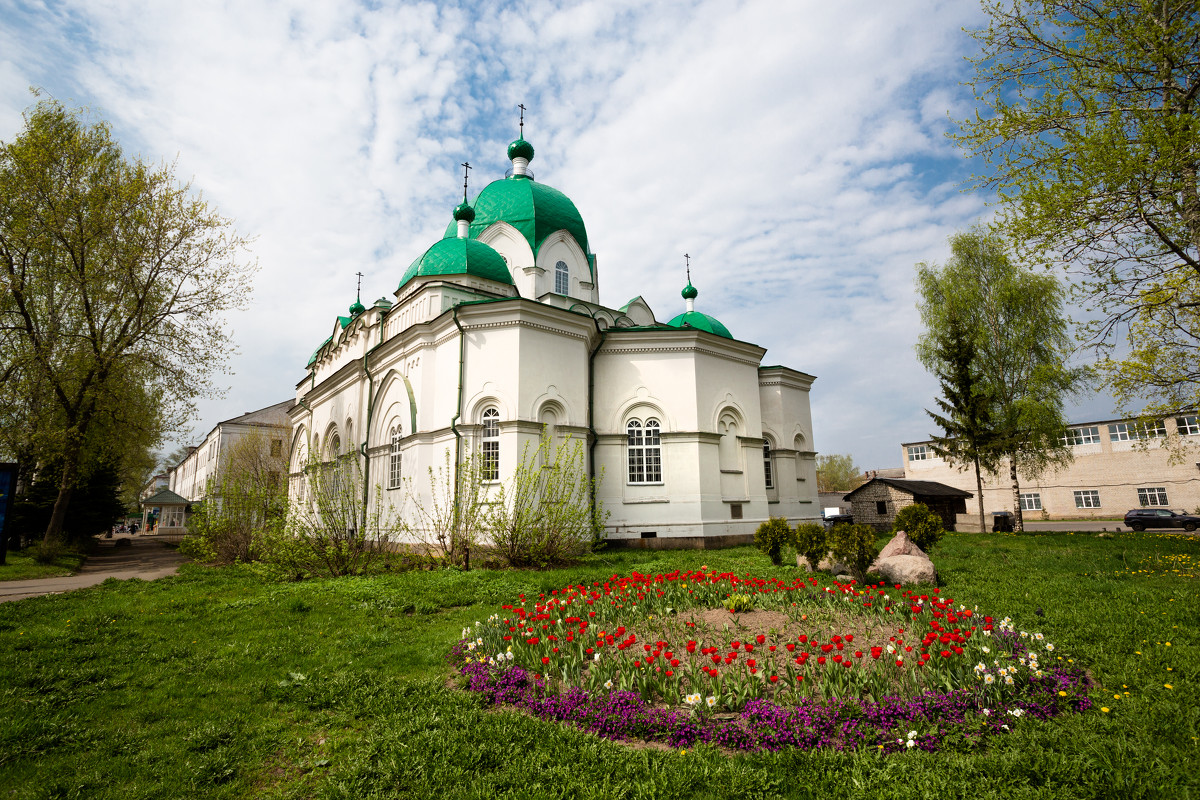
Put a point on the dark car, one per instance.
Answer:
(1142, 518)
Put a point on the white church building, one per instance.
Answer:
(496, 337)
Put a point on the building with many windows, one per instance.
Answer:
(495, 341)
(190, 478)
(1118, 465)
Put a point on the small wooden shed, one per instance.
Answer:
(877, 501)
(169, 511)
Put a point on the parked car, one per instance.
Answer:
(836, 519)
(1142, 518)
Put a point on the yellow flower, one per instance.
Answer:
(1116, 697)
(1168, 644)
(1062, 693)
(1104, 709)
(1168, 686)
(1139, 652)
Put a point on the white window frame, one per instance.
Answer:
(1130, 431)
(1088, 434)
(562, 278)
(644, 452)
(768, 465)
(489, 464)
(395, 458)
(1188, 426)
(1031, 501)
(918, 452)
(1087, 498)
(1152, 496)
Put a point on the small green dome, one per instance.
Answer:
(459, 257)
(520, 149)
(690, 292)
(701, 322)
(383, 302)
(463, 211)
(357, 308)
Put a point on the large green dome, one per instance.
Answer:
(459, 257)
(701, 322)
(533, 208)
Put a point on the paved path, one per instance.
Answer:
(124, 556)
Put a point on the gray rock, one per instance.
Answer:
(901, 545)
(906, 569)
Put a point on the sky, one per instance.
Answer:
(796, 151)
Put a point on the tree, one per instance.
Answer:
(242, 498)
(1091, 135)
(114, 280)
(837, 473)
(1022, 345)
(968, 435)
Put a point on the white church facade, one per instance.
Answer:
(496, 337)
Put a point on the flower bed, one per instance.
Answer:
(661, 658)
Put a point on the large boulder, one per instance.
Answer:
(901, 561)
(906, 569)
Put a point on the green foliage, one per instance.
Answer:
(244, 497)
(854, 546)
(812, 543)
(113, 284)
(922, 525)
(772, 536)
(1088, 123)
(837, 473)
(1013, 319)
(328, 531)
(739, 603)
(542, 515)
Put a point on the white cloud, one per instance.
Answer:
(796, 150)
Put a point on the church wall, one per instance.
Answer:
(787, 423)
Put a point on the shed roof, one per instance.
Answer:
(165, 497)
(915, 488)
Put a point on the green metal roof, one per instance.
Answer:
(701, 322)
(459, 257)
(534, 209)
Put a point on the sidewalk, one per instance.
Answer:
(122, 557)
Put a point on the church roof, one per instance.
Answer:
(702, 322)
(534, 209)
(456, 256)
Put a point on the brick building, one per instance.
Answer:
(877, 501)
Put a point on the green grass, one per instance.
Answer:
(215, 683)
(20, 565)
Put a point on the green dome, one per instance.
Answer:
(690, 292)
(701, 322)
(357, 308)
(464, 211)
(533, 208)
(520, 149)
(459, 257)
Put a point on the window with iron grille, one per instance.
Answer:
(1152, 496)
(1087, 498)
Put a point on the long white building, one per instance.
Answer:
(496, 336)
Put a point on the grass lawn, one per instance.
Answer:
(216, 683)
(20, 565)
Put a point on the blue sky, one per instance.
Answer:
(796, 150)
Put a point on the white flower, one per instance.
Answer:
(987, 712)
(692, 699)
(1016, 712)
(509, 655)
(1050, 647)
(1004, 726)
(608, 684)
(470, 645)
(987, 633)
(479, 640)
(1024, 635)
(1008, 680)
(989, 679)
(987, 649)
(596, 657)
(909, 743)
(912, 734)
(1038, 636)
(711, 700)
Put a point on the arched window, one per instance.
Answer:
(335, 447)
(490, 466)
(645, 451)
(394, 462)
(768, 472)
(562, 282)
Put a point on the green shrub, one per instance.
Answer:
(771, 537)
(739, 603)
(812, 543)
(854, 546)
(922, 525)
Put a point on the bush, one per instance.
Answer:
(771, 537)
(854, 546)
(812, 543)
(922, 525)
